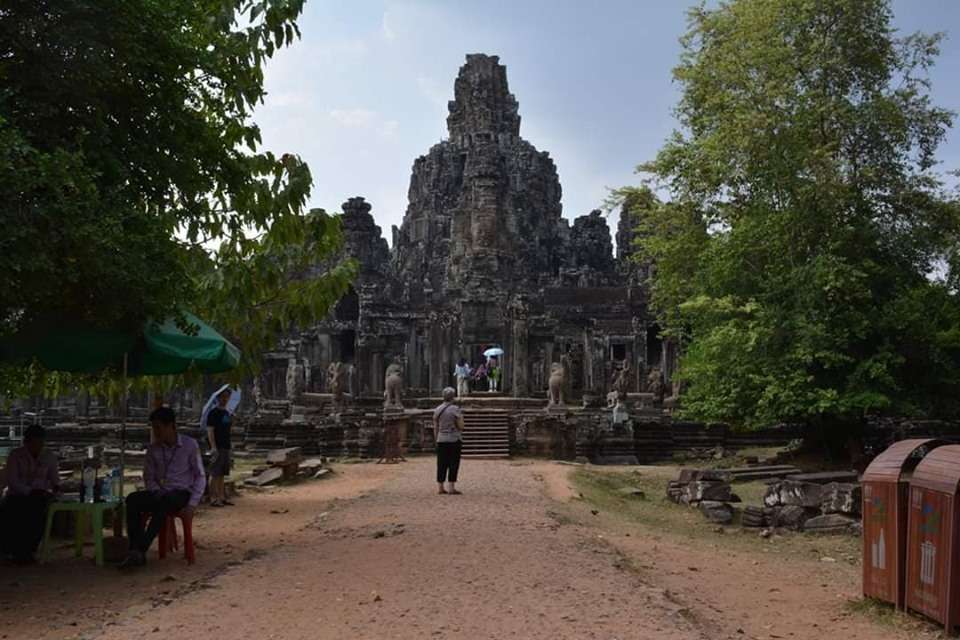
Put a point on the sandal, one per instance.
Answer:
(441, 492)
(227, 503)
(455, 493)
(216, 503)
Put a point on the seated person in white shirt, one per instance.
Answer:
(32, 482)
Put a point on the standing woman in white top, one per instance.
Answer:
(462, 372)
(448, 425)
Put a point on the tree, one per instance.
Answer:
(131, 180)
(802, 251)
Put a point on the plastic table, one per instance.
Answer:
(95, 510)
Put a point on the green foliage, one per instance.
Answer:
(802, 254)
(131, 177)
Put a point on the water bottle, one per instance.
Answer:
(106, 488)
(115, 485)
(89, 481)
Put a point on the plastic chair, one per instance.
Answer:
(168, 540)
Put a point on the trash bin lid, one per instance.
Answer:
(939, 470)
(889, 465)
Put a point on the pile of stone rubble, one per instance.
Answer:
(798, 503)
(708, 490)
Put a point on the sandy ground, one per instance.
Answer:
(374, 552)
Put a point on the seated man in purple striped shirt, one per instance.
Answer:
(175, 480)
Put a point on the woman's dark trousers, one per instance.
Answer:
(448, 461)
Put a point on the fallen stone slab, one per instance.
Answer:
(842, 497)
(285, 456)
(699, 490)
(832, 523)
(792, 517)
(804, 494)
(311, 464)
(717, 512)
(825, 477)
(321, 473)
(269, 476)
(771, 496)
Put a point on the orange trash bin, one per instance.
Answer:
(885, 493)
(933, 537)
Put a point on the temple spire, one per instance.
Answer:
(482, 101)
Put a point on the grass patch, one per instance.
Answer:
(886, 614)
(601, 488)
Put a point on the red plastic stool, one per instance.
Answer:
(168, 540)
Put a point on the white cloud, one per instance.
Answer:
(388, 32)
(356, 118)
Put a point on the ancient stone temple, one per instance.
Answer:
(483, 257)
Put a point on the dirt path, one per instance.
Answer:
(73, 599)
(736, 593)
(403, 562)
(374, 553)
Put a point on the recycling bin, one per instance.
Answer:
(933, 537)
(885, 500)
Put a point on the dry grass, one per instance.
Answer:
(886, 614)
(601, 488)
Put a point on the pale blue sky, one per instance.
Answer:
(365, 90)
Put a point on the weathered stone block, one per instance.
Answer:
(839, 497)
(717, 512)
(803, 494)
(771, 497)
(706, 490)
(714, 475)
(792, 517)
(831, 523)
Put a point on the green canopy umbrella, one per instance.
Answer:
(156, 349)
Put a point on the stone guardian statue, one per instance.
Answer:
(555, 385)
(335, 375)
(393, 385)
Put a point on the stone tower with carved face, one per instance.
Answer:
(484, 206)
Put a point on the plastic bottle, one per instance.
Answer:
(115, 485)
(89, 482)
(106, 487)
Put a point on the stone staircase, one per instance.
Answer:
(486, 434)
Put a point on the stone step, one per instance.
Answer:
(760, 467)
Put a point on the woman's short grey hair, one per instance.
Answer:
(449, 394)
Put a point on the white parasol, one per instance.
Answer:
(493, 352)
(231, 407)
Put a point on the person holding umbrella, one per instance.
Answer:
(493, 367)
(218, 421)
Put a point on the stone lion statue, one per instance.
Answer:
(393, 385)
(655, 385)
(335, 373)
(555, 385)
(621, 381)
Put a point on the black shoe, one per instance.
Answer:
(133, 560)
